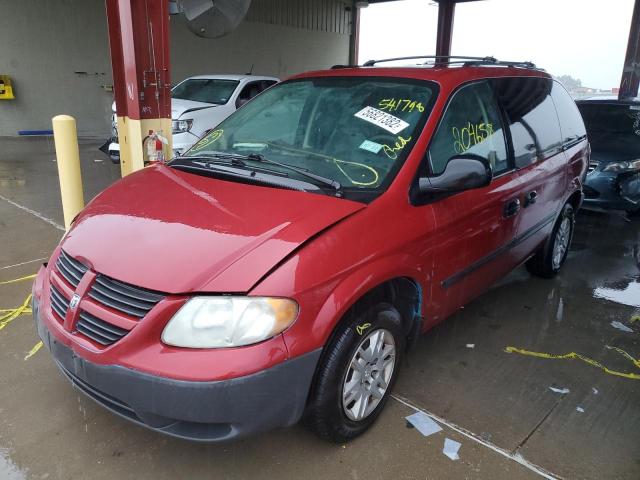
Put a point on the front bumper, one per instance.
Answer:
(114, 151)
(202, 411)
(183, 142)
(620, 191)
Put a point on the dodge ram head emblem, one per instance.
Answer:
(75, 300)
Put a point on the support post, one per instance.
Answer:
(354, 38)
(630, 80)
(446, 11)
(139, 45)
(68, 159)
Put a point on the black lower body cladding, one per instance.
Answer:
(202, 411)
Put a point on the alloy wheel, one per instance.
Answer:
(369, 374)
(561, 243)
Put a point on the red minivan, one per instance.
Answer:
(284, 265)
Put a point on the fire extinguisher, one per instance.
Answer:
(153, 147)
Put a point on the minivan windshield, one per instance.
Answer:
(354, 131)
(206, 90)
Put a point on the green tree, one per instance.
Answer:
(569, 82)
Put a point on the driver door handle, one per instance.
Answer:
(511, 208)
(530, 198)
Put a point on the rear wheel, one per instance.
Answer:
(546, 263)
(356, 374)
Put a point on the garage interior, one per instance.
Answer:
(497, 404)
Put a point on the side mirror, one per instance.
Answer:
(463, 172)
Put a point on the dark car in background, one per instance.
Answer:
(613, 127)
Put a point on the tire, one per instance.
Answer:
(329, 414)
(548, 261)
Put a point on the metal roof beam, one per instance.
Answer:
(630, 80)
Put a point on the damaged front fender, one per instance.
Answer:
(629, 186)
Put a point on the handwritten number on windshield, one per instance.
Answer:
(470, 135)
(402, 104)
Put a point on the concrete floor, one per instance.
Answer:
(498, 405)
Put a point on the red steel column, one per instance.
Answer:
(446, 11)
(139, 45)
(630, 80)
(354, 37)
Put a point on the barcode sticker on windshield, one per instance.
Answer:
(370, 146)
(382, 119)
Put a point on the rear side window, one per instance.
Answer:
(471, 125)
(267, 83)
(532, 117)
(571, 124)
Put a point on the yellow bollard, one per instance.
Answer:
(68, 160)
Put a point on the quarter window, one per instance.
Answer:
(571, 123)
(532, 117)
(470, 125)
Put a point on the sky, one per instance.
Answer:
(586, 39)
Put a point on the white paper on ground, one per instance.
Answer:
(471, 345)
(559, 390)
(451, 448)
(423, 423)
(594, 390)
(620, 326)
(580, 409)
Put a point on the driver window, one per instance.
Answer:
(248, 92)
(470, 125)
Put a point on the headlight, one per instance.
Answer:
(622, 166)
(220, 322)
(181, 126)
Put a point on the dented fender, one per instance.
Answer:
(324, 306)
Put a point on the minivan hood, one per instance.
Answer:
(176, 232)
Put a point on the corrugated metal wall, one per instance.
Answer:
(323, 15)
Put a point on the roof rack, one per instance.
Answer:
(453, 59)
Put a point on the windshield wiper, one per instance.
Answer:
(257, 157)
(239, 160)
(207, 157)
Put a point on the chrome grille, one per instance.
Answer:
(71, 269)
(59, 304)
(98, 330)
(125, 298)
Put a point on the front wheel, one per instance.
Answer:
(546, 263)
(356, 374)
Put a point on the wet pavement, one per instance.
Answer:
(497, 404)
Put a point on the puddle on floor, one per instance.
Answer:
(8, 470)
(627, 295)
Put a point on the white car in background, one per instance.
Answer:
(200, 103)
